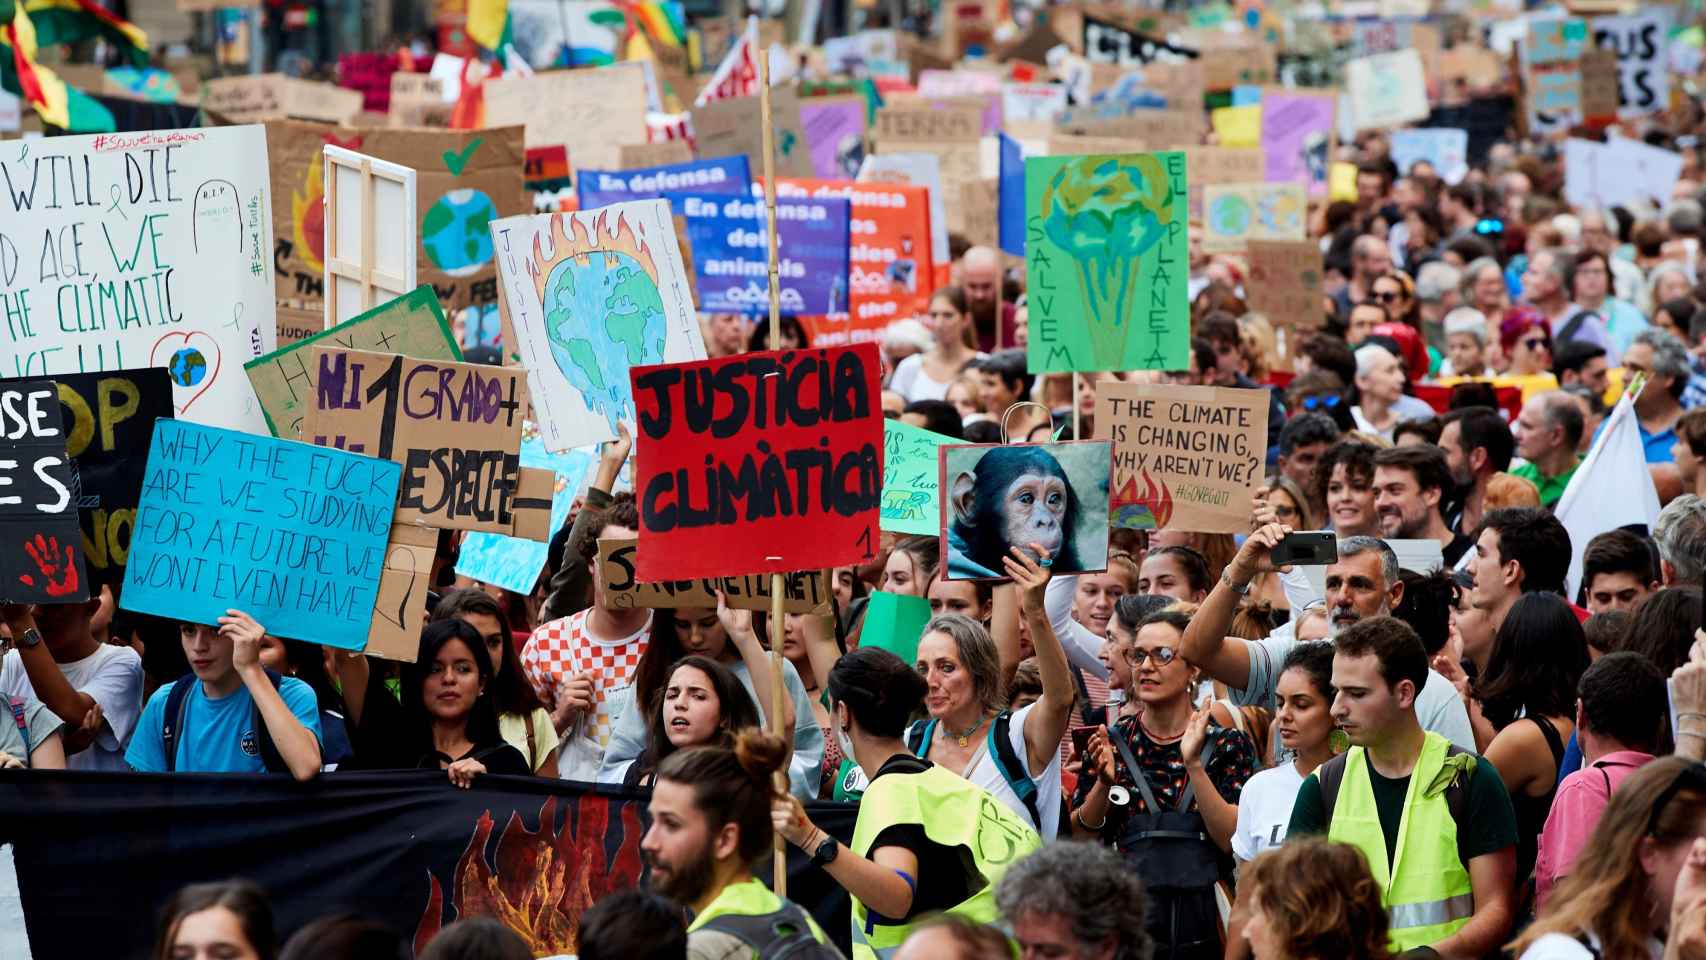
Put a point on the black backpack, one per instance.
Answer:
(1171, 851)
(1000, 747)
(177, 707)
(1332, 776)
(783, 935)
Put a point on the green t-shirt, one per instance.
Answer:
(1551, 488)
(1492, 819)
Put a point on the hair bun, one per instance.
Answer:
(760, 754)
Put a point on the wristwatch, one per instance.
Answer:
(31, 637)
(1226, 578)
(826, 852)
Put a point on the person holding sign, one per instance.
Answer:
(1013, 755)
(94, 687)
(928, 375)
(918, 824)
(228, 714)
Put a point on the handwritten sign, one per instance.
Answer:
(763, 463)
(1234, 214)
(1106, 42)
(1285, 282)
(802, 592)
(1185, 458)
(1107, 256)
(600, 188)
(1297, 137)
(514, 563)
(40, 559)
(1445, 148)
(1386, 90)
(1618, 173)
(1641, 43)
(591, 112)
(109, 422)
(834, 128)
(909, 478)
(591, 294)
(284, 381)
(729, 238)
(140, 250)
(292, 534)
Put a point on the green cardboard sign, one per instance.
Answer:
(895, 623)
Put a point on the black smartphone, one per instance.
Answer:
(1081, 740)
(1312, 548)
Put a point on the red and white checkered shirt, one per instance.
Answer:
(561, 649)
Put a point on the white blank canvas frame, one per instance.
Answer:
(370, 232)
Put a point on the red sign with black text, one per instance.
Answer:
(759, 463)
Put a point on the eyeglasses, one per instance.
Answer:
(1281, 510)
(1387, 296)
(1319, 402)
(1536, 343)
(1692, 777)
(1163, 655)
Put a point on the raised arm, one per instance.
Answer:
(1083, 648)
(1205, 643)
(738, 625)
(568, 586)
(1047, 721)
(1004, 629)
(297, 744)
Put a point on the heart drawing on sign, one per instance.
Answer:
(192, 360)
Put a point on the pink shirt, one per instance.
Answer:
(1576, 809)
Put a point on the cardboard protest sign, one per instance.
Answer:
(1445, 149)
(976, 85)
(369, 259)
(762, 463)
(1149, 128)
(141, 250)
(895, 622)
(108, 420)
(802, 591)
(591, 112)
(918, 169)
(41, 556)
(291, 534)
(730, 241)
(996, 497)
(730, 126)
(274, 96)
(889, 269)
(834, 129)
(1552, 78)
(514, 563)
(1618, 173)
(1641, 42)
(1601, 89)
(1234, 214)
(1029, 109)
(591, 294)
(946, 119)
(1238, 126)
(284, 381)
(909, 478)
(634, 156)
(1386, 90)
(418, 100)
(1297, 137)
(1106, 254)
(1285, 282)
(1238, 64)
(455, 428)
(600, 188)
(1185, 458)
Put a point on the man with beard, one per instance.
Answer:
(711, 825)
(980, 279)
(1477, 444)
(1364, 582)
(1410, 484)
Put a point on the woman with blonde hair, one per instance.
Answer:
(1314, 899)
(1618, 896)
(1508, 490)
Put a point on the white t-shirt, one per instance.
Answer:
(985, 774)
(111, 675)
(1264, 810)
(911, 381)
(1556, 946)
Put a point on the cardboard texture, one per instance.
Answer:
(1185, 458)
(635, 156)
(1285, 282)
(274, 96)
(285, 380)
(592, 111)
(723, 128)
(805, 592)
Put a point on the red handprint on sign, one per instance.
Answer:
(59, 571)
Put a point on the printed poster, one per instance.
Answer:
(1236, 213)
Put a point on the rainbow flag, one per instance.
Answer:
(68, 21)
(56, 103)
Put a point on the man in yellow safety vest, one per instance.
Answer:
(1435, 824)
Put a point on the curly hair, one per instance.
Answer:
(1358, 458)
(1320, 899)
(622, 512)
(1089, 886)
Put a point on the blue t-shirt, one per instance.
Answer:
(218, 736)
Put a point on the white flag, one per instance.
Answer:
(1612, 488)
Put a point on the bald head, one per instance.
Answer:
(980, 278)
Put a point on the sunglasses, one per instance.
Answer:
(1326, 402)
(1163, 655)
(1537, 343)
(1388, 296)
(1692, 777)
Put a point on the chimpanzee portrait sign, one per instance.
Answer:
(41, 543)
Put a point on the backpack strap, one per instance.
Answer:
(1086, 709)
(1331, 775)
(918, 737)
(23, 725)
(1012, 767)
(172, 718)
(1190, 793)
(1574, 325)
(777, 934)
(270, 757)
(1137, 776)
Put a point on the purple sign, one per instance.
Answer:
(1296, 131)
(835, 133)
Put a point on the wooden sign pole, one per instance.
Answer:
(777, 692)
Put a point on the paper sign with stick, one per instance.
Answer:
(370, 234)
(806, 592)
(762, 463)
(292, 534)
(1185, 458)
(41, 556)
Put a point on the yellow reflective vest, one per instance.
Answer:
(954, 812)
(1425, 887)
